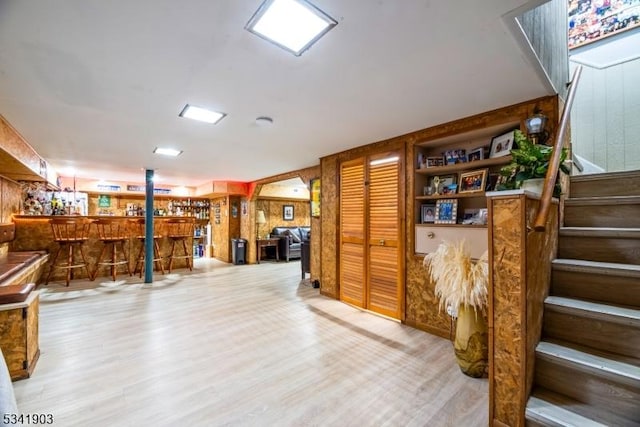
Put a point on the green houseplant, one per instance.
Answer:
(529, 161)
(461, 283)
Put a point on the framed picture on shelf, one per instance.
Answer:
(443, 184)
(427, 214)
(434, 161)
(287, 212)
(446, 211)
(453, 157)
(473, 181)
(501, 145)
(476, 154)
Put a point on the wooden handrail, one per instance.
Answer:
(554, 162)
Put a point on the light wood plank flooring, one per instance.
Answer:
(237, 346)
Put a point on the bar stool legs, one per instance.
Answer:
(141, 257)
(69, 266)
(180, 230)
(69, 233)
(113, 262)
(112, 232)
(185, 251)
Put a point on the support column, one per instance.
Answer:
(148, 231)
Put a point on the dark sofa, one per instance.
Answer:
(291, 238)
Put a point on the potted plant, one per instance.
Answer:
(461, 286)
(530, 162)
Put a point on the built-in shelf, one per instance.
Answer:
(451, 196)
(452, 225)
(478, 164)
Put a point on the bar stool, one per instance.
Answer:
(180, 230)
(139, 233)
(112, 232)
(70, 234)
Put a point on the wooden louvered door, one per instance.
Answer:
(352, 248)
(384, 284)
(370, 253)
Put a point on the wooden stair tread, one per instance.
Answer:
(596, 267)
(550, 414)
(625, 233)
(555, 409)
(588, 361)
(608, 175)
(612, 313)
(598, 201)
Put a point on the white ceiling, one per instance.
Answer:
(610, 51)
(97, 84)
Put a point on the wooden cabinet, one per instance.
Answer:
(452, 174)
(19, 336)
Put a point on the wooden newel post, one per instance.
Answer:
(519, 277)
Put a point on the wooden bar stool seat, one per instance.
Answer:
(139, 231)
(70, 234)
(112, 232)
(180, 231)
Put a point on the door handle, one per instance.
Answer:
(381, 242)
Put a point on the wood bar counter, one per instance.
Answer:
(34, 233)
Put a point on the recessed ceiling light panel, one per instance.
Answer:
(201, 114)
(294, 25)
(167, 151)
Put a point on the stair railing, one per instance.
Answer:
(554, 162)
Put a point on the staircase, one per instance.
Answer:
(587, 368)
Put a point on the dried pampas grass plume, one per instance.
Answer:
(459, 280)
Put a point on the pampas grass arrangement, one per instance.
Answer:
(459, 280)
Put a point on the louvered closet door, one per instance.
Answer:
(384, 285)
(352, 248)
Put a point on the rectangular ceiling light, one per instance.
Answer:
(167, 151)
(294, 25)
(201, 114)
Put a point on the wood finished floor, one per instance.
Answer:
(237, 346)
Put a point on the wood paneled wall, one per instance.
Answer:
(421, 303)
(330, 205)
(520, 272)
(220, 236)
(316, 240)
(10, 203)
(273, 213)
(546, 28)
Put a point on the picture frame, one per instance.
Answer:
(591, 22)
(444, 182)
(475, 154)
(453, 157)
(427, 213)
(287, 212)
(314, 199)
(446, 211)
(501, 145)
(435, 162)
(473, 181)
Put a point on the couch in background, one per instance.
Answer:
(290, 244)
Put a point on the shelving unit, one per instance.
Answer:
(429, 235)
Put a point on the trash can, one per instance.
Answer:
(238, 251)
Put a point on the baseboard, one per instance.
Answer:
(443, 333)
(328, 295)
